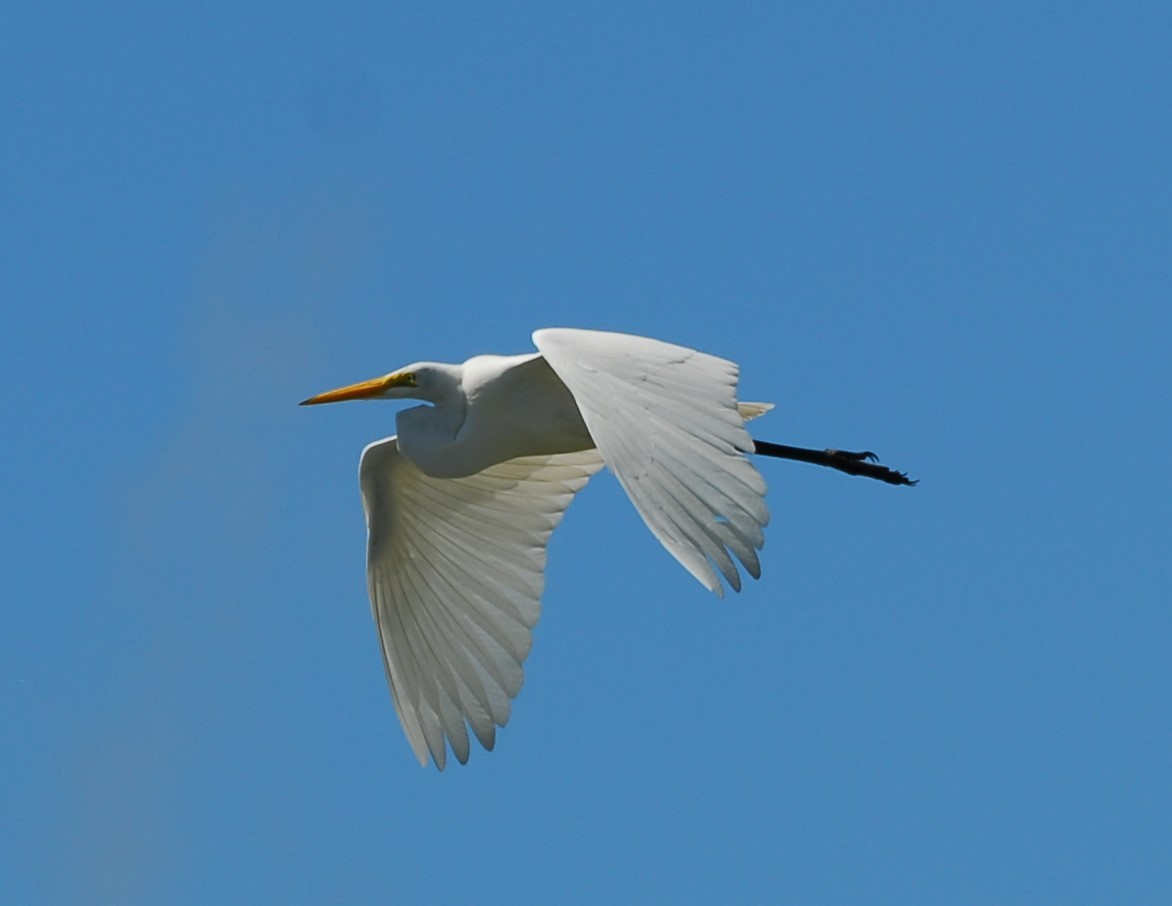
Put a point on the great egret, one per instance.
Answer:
(459, 506)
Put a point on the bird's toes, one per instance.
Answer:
(866, 455)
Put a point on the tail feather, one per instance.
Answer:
(750, 411)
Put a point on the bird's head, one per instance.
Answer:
(423, 380)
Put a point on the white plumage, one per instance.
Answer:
(461, 504)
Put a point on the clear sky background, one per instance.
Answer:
(940, 232)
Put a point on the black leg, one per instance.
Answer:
(865, 464)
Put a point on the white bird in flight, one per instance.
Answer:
(461, 503)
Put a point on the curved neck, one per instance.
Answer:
(427, 434)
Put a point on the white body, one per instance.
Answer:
(460, 505)
(505, 407)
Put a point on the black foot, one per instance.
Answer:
(857, 457)
(867, 465)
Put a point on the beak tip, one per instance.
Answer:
(364, 390)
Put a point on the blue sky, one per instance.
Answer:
(935, 231)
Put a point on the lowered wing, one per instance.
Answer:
(455, 569)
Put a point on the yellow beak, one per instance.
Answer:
(363, 390)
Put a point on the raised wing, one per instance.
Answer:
(666, 421)
(455, 569)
